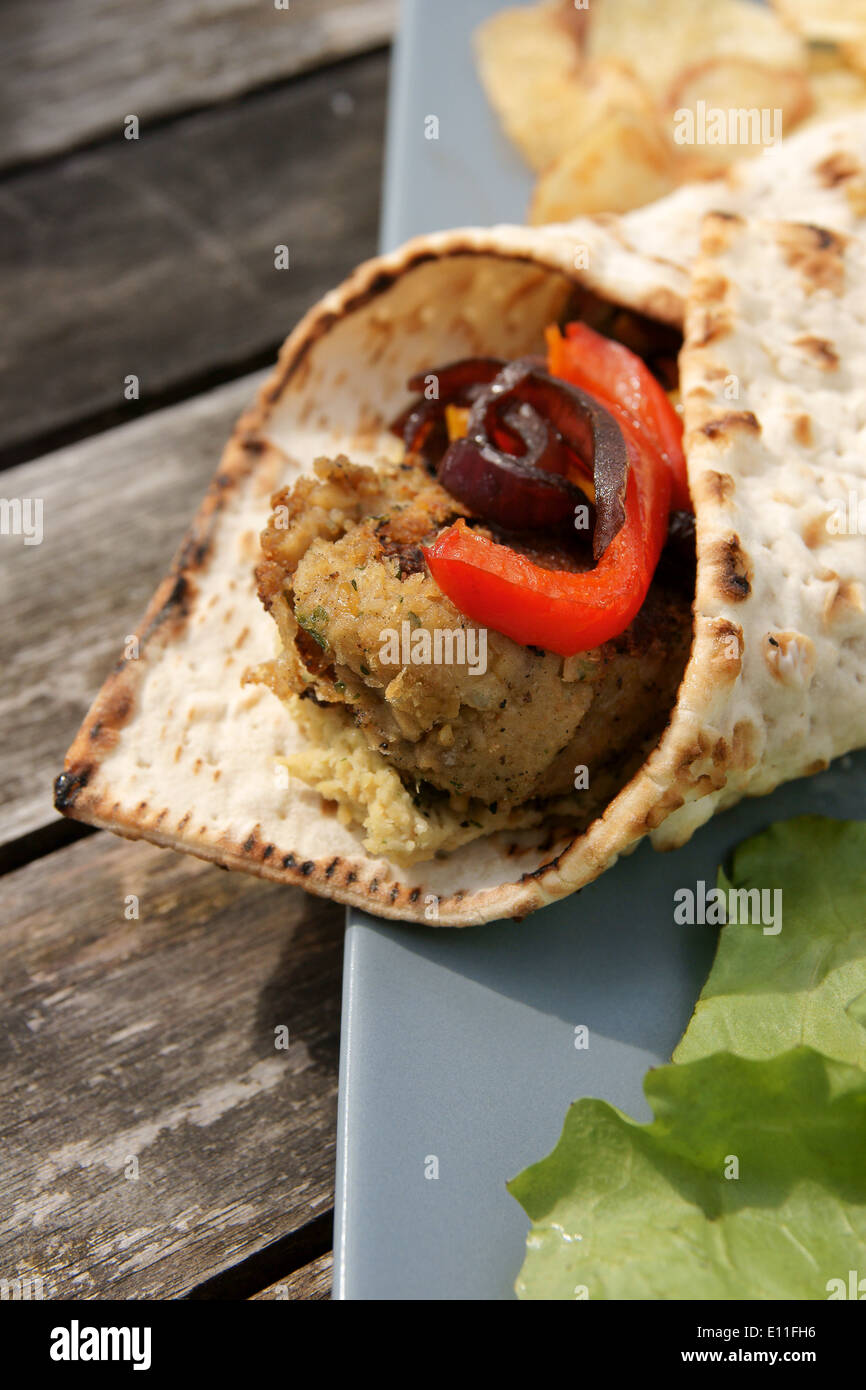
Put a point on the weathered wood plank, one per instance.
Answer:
(313, 1282)
(70, 72)
(156, 258)
(114, 510)
(154, 1135)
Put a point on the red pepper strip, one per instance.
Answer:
(622, 382)
(556, 609)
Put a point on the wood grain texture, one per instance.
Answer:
(70, 72)
(311, 1283)
(114, 510)
(148, 1047)
(155, 258)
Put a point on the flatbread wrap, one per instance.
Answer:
(206, 741)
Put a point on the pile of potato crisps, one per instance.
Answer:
(616, 102)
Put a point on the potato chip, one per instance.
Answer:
(622, 162)
(855, 54)
(528, 66)
(832, 21)
(835, 87)
(841, 22)
(532, 73)
(658, 39)
(730, 108)
(712, 83)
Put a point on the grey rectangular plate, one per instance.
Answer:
(459, 1046)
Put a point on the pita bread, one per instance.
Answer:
(772, 378)
(176, 750)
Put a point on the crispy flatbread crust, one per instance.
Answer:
(176, 750)
(772, 375)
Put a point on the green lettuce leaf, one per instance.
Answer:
(806, 985)
(750, 1182)
(628, 1211)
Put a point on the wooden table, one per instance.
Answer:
(154, 1142)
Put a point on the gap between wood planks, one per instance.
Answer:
(277, 1261)
(108, 253)
(77, 431)
(69, 72)
(107, 139)
(310, 1282)
(47, 839)
(151, 1041)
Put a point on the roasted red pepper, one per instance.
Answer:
(559, 610)
(626, 386)
(556, 609)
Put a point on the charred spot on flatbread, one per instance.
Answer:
(837, 168)
(817, 254)
(732, 569)
(715, 487)
(819, 351)
(724, 425)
